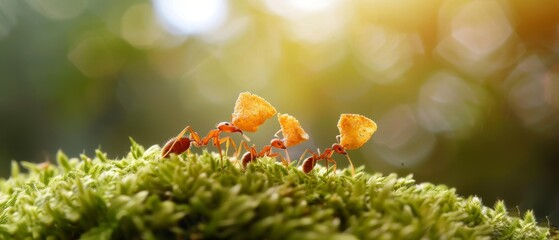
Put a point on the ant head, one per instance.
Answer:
(277, 143)
(339, 148)
(228, 127)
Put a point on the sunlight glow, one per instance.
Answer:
(294, 8)
(311, 21)
(191, 17)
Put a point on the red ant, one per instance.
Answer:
(281, 144)
(292, 133)
(252, 153)
(310, 162)
(355, 130)
(179, 144)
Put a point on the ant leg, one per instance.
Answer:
(286, 152)
(212, 135)
(238, 151)
(215, 140)
(195, 137)
(241, 145)
(283, 161)
(335, 165)
(228, 140)
(287, 155)
(303, 155)
(351, 164)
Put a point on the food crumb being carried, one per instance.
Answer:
(355, 130)
(251, 111)
(291, 129)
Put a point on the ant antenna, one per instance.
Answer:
(351, 163)
(277, 133)
(245, 137)
(287, 154)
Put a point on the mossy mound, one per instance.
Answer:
(197, 197)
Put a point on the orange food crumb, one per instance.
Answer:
(251, 111)
(355, 130)
(292, 130)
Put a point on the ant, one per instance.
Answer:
(250, 111)
(180, 144)
(252, 154)
(292, 133)
(310, 162)
(355, 130)
(281, 143)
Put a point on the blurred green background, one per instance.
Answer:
(465, 93)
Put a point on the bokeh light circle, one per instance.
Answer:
(191, 17)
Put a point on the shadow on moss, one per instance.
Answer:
(192, 197)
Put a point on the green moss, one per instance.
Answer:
(193, 196)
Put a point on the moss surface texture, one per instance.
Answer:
(142, 196)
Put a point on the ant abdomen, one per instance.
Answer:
(179, 146)
(246, 159)
(308, 164)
